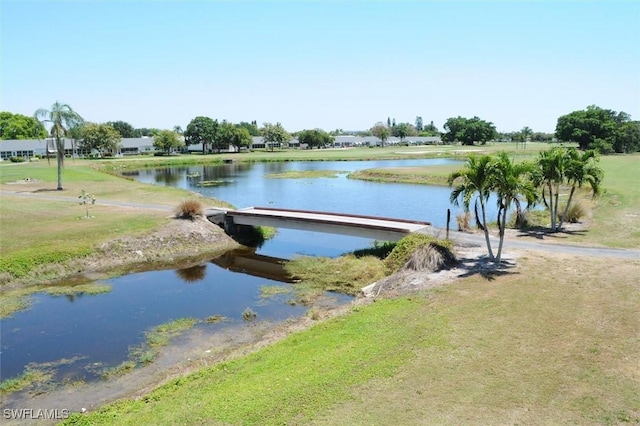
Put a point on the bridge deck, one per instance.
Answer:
(339, 223)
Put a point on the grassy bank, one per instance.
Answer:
(334, 154)
(428, 175)
(38, 231)
(613, 217)
(530, 346)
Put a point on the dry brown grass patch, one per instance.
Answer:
(190, 209)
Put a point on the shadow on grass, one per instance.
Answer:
(486, 268)
(35, 191)
(541, 233)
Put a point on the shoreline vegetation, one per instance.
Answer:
(473, 322)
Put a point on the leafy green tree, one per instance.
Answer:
(252, 128)
(18, 126)
(275, 135)
(510, 181)
(233, 135)
(468, 130)
(474, 179)
(167, 141)
(429, 130)
(240, 137)
(100, 137)
(125, 129)
(315, 138)
(60, 117)
(602, 129)
(542, 137)
(145, 131)
(381, 132)
(205, 131)
(627, 137)
(403, 130)
(178, 130)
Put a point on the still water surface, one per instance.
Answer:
(96, 332)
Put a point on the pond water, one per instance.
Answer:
(94, 332)
(85, 334)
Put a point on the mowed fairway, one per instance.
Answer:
(553, 341)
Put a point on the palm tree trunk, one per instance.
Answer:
(566, 208)
(544, 198)
(478, 223)
(60, 158)
(501, 225)
(555, 207)
(486, 230)
(551, 209)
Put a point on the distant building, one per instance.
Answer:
(28, 148)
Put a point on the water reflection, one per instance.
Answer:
(257, 265)
(192, 274)
(97, 331)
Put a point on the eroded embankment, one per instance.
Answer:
(177, 243)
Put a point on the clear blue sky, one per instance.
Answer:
(325, 64)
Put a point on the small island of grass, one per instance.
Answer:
(302, 174)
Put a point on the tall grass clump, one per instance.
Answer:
(405, 248)
(190, 209)
(464, 221)
(575, 212)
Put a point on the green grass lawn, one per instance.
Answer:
(552, 342)
(36, 231)
(616, 215)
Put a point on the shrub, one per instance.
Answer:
(431, 257)
(405, 248)
(528, 219)
(464, 220)
(16, 159)
(190, 209)
(575, 213)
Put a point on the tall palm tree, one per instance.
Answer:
(581, 168)
(510, 181)
(474, 178)
(61, 117)
(550, 175)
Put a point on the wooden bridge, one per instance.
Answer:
(379, 228)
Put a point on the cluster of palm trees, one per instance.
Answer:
(554, 170)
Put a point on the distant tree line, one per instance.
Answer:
(603, 130)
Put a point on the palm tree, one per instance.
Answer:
(581, 169)
(550, 174)
(474, 178)
(510, 181)
(525, 133)
(61, 117)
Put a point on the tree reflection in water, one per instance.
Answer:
(192, 274)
